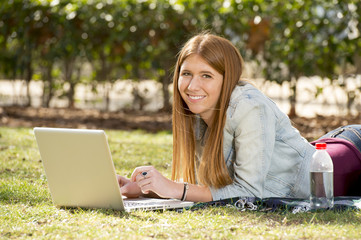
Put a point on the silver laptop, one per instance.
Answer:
(80, 172)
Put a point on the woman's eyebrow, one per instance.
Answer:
(207, 72)
(182, 69)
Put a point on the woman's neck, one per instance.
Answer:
(208, 121)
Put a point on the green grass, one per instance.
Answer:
(26, 210)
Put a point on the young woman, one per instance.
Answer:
(229, 139)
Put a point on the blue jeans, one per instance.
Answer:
(350, 133)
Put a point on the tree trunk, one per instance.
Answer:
(70, 95)
(138, 99)
(48, 90)
(73, 82)
(293, 97)
(107, 87)
(68, 72)
(28, 76)
(165, 91)
(28, 70)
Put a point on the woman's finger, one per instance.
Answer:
(140, 170)
(131, 190)
(144, 182)
(143, 175)
(122, 180)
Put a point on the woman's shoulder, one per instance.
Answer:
(246, 93)
(247, 102)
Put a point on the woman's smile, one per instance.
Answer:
(195, 97)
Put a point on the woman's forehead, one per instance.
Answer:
(196, 61)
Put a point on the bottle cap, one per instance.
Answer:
(321, 146)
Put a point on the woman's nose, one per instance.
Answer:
(194, 84)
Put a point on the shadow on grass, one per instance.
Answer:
(333, 217)
(107, 212)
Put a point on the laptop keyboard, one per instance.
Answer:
(136, 204)
(154, 204)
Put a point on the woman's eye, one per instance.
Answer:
(207, 76)
(186, 74)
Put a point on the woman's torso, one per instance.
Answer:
(280, 168)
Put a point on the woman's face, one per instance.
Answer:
(200, 86)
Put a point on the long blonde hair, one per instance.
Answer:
(225, 58)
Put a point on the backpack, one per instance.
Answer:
(344, 147)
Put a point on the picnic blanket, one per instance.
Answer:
(293, 205)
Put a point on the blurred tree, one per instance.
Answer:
(19, 22)
(10, 47)
(47, 52)
(168, 29)
(308, 37)
(136, 39)
(70, 44)
(103, 36)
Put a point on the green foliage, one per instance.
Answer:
(313, 38)
(27, 212)
(132, 39)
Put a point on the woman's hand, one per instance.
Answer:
(149, 180)
(128, 188)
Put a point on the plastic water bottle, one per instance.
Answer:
(321, 173)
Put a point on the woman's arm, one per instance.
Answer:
(151, 181)
(197, 193)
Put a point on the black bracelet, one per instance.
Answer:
(185, 190)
